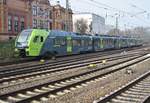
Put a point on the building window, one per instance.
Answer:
(40, 12)
(51, 25)
(22, 23)
(41, 24)
(50, 14)
(46, 24)
(46, 14)
(9, 23)
(3, 1)
(34, 11)
(16, 24)
(34, 23)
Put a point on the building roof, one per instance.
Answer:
(58, 6)
(40, 1)
(44, 1)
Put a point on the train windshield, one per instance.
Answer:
(24, 35)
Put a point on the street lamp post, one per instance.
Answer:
(117, 23)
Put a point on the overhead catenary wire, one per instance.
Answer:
(120, 11)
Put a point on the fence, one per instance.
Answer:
(7, 49)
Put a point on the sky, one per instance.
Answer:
(131, 13)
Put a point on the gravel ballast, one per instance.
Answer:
(103, 86)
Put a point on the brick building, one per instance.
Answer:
(41, 14)
(61, 20)
(14, 16)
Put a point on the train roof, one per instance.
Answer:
(73, 34)
(64, 33)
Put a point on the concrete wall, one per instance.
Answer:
(6, 37)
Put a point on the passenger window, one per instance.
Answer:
(75, 42)
(42, 39)
(60, 41)
(36, 38)
(63, 42)
(82, 42)
(56, 42)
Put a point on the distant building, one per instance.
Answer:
(62, 19)
(95, 23)
(14, 16)
(41, 14)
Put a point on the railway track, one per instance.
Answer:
(49, 68)
(50, 89)
(137, 91)
(50, 74)
(59, 60)
(4, 62)
(57, 70)
(26, 61)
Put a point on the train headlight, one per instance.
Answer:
(16, 50)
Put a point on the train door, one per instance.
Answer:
(116, 43)
(101, 43)
(37, 45)
(69, 44)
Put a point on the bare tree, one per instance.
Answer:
(142, 33)
(114, 32)
(81, 26)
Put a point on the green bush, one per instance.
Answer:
(7, 49)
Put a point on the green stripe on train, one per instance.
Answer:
(101, 43)
(69, 44)
(35, 44)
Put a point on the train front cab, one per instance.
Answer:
(21, 43)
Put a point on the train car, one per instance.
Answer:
(82, 43)
(98, 43)
(37, 42)
(123, 42)
(103, 42)
(66, 43)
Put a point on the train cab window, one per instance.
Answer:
(36, 39)
(42, 39)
